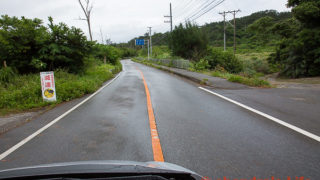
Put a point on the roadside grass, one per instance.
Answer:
(250, 81)
(24, 91)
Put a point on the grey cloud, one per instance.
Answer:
(121, 20)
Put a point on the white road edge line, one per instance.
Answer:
(295, 128)
(21, 143)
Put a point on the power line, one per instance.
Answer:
(199, 6)
(217, 4)
(203, 8)
(186, 8)
(181, 5)
(162, 37)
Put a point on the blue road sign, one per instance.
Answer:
(139, 41)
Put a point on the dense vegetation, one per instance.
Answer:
(298, 51)
(24, 91)
(28, 47)
(214, 31)
(203, 44)
(267, 42)
(188, 37)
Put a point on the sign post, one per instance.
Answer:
(141, 42)
(48, 86)
(148, 49)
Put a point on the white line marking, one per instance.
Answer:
(295, 128)
(21, 143)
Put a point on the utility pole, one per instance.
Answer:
(224, 29)
(170, 18)
(148, 50)
(234, 12)
(150, 36)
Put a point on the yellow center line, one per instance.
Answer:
(156, 146)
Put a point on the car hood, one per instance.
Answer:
(98, 167)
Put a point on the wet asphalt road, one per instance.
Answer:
(197, 130)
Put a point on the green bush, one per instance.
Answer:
(249, 81)
(201, 65)
(128, 52)
(256, 82)
(29, 46)
(224, 59)
(254, 64)
(161, 52)
(109, 53)
(188, 41)
(6, 75)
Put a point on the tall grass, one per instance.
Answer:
(24, 91)
(250, 81)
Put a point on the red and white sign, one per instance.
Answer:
(48, 86)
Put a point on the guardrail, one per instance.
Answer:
(176, 63)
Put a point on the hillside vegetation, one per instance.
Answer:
(267, 42)
(246, 37)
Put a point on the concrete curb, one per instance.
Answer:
(215, 82)
(182, 75)
(16, 120)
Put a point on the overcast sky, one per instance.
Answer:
(122, 20)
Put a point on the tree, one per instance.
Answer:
(87, 12)
(108, 53)
(188, 41)
(28, 46)
(20, 42)
(66, 48)
(261, 29)
(298, 52)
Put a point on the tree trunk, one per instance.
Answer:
(4, 64)
(307, 69)
(105, 59)
(89, 26)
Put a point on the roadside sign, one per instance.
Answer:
(48, 86)
(140, 42)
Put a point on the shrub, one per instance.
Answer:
(219, 69)
(128, 52)
(106, 52)
(188, 41)
(249, 81)
(161, 52)
(201, 65)
(6, 74)
(224, 59)
(28, 46)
